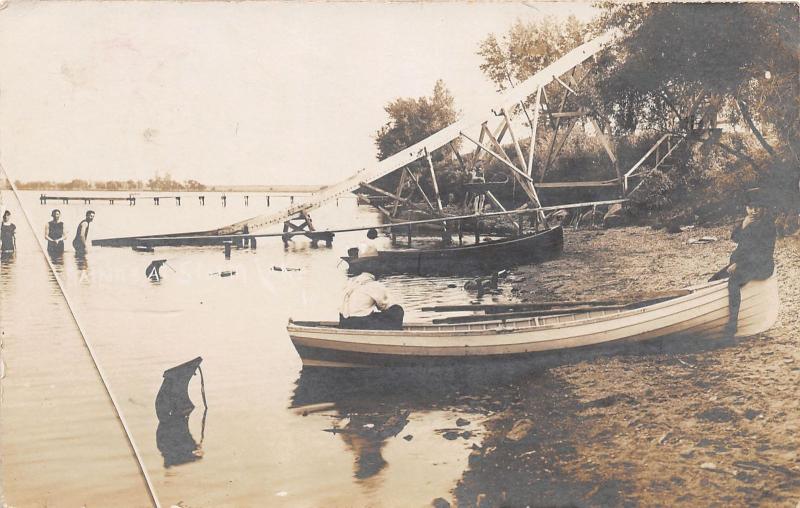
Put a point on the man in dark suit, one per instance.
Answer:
(753, 257)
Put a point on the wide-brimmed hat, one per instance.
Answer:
(756, 197)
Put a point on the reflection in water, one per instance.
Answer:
(57, 258)
(6, 266)
(175, 442)
(82, 263)
(366, 435)
(7, 257)
(173, 407)
(372, 407)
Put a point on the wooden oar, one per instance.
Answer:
(492, 308)
(502, 316)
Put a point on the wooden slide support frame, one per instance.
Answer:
(556, 143)
(534, 128)
(556, 122)
(525, 180)
(415, 179)
(445, 230)
(306, 225)
(400, 188)
(393, 196)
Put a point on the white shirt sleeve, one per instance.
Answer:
(379, 294)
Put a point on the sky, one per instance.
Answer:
(230, 93)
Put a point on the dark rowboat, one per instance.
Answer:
(483, 256)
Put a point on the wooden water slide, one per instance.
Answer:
(507, 101)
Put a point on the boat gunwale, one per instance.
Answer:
(347, 345)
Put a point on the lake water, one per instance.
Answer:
(374, 442)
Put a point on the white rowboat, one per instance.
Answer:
(700, 314)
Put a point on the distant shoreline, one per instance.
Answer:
(299, 189)
(265, 188)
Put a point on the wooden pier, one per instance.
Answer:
(87, 200)
(132, 199)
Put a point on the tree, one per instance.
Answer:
(412, 120)
(737, 59)
(527, 48)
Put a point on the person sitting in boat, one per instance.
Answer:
(753, 257)
(366, 305)
(368, 249)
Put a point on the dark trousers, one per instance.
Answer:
(737, 279)
(735, 283)
(390, 319)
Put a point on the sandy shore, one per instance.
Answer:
(711, 424)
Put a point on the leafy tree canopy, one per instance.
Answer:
(412, 120)
(737, 59)
(527, 48)
(742, 57)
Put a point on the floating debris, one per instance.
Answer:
(284, 269)
(225, 273)
(702, 239)
(313, 408)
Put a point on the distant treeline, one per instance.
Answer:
(158, 183)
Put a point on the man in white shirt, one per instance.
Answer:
(368, 249)
(366, 305)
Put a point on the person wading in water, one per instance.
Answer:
(82, 234)
(8, 238)
(753, 257)
(54, 234)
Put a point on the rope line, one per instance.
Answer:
(142, 469)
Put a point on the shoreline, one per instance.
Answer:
(659, 422)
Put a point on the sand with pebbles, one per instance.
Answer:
(660, 423)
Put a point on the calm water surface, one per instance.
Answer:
(366, 441)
